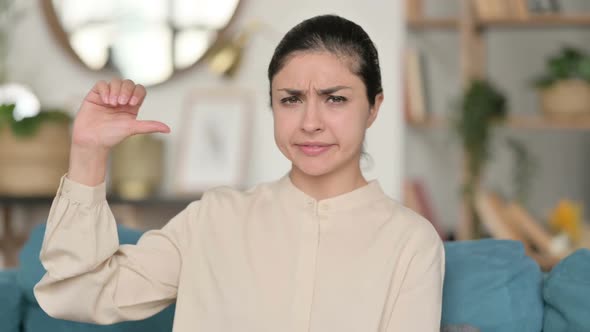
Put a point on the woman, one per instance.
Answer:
(321, 249)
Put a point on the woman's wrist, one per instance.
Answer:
(88, 166)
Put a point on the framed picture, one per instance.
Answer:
(214, 140)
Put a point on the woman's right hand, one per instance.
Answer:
(107, 116)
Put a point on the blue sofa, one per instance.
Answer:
(490, 284)
(19, 311)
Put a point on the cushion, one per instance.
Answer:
(31, 271)
(10, 302)
(38, 321)
(459, 328)
(567, 294)
(493, 286)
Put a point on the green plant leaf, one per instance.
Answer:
(28, 127)
(584, 69)
(569, 63)
(6, 115)
(481, 106)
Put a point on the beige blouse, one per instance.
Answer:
(269, 259)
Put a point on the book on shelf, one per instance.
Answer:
(418, 199)
(501, 9)
(414, 88)
(414, 9)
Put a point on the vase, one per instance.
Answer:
(566, 99)
(137, 167)
(33, 166)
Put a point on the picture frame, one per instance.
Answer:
(215, 137)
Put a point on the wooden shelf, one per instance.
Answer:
(432, 23)
(545, 20)
(532, 122)
(548, 123)
(533, 21)
(431, 122)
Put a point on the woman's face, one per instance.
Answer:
(321, 112)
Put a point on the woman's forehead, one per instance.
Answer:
(315, 70)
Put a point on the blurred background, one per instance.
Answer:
(483, 129)
(205, 67)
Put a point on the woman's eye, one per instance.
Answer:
(336, 99)
(290, 100)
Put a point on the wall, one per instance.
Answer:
(37, 60)
(515, 56)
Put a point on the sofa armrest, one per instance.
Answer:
(11, 302)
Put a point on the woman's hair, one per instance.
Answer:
(339, 36)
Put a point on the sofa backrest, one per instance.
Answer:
(11, 302)
(567, 294)
(492, 285)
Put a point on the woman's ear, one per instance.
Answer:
(374, 110)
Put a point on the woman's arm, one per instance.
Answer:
(419, 302)
(90, 277)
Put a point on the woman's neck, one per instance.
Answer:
(327, 185)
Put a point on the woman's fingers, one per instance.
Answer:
(118, 93)
(138, 95)
(115, 90)
(127, 87)
(103, 91)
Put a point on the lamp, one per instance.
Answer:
(225, 60)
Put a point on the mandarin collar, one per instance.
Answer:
(353, 199)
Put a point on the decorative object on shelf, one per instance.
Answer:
(225, 59)
(137, 167)
(34, 150)
(145, 41)
(565, 87)
(566, 218)
(544, 6)
(481, 106)
(214, 140)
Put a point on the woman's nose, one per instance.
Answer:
(312, 119)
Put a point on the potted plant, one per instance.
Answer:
(565, 86)
(34, 151)
(481, 106)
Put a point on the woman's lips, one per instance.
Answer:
(313, 150)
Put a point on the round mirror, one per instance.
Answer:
(145, 40)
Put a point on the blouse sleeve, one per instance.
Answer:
(419, 302)
(90, 277)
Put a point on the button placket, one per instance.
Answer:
(306, 270)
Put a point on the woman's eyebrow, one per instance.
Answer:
(292, 92)
(326, 91)
(329, 91)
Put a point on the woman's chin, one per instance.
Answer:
(315, 170)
